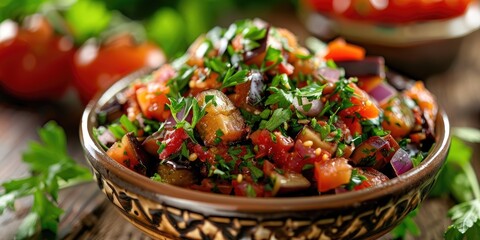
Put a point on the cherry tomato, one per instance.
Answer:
(96, 67)
(34, 61)
(391, 11)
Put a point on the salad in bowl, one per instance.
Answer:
(247, 111)
(249, 135)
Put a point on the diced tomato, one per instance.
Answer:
(124, 153)
(202, 153)
(354, 125)
(173, 142)
(271, 144)
(426, 102)
(332, 173)
(339, 50)
(268, 168)
(286, 68)
(374, 178)
(362, 105)
(152, 101)
(242, 189)
(375, 152)
(369, 83)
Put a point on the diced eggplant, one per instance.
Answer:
(290, 182)
(150, 144)
(370, 66)
(398, 81)
(222, 117)
(171, 174)
(130, 153)
(308, 134)
(249, 95)
(375, 152)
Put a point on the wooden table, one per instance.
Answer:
(89, 215)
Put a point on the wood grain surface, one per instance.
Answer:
(88, 214)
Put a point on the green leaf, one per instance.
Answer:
(235, 79)
(87, 19)
(452, 172)
(157, 178)
(168, 29)
(251, 191)
(311, 92)
(29, 227)
(127, 124)
(283, 98)
(273, 57)
(50, 167)
(7, 200)
(178, 83)
(255, 172)
(465, 216)
(281, 79)
(279, 116)
(467, 134)
(53, 136)
(407, 226)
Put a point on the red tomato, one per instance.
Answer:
(34, 61)
(391, 11)
(374, 178)
(97, 67)
(173, 140)
(271, 144)
(332, 173)
(248, 189)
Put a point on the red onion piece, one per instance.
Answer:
(170, 122)
(106, 138)
(329, 74)
(315, 109)
(401, 162)
(382, 92)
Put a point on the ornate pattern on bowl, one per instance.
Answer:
(165, 211)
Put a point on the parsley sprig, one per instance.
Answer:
(457, 178)
(463, 185)
(181, 108)
(51, 169)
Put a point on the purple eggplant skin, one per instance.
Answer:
(143, 157)
(370, 66)
(398, 81)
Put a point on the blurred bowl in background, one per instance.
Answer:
(416, 48)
